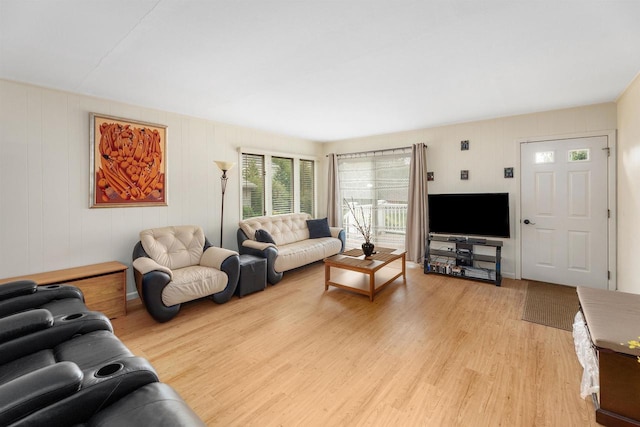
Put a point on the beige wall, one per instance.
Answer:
(494, 145)
(629, 188)
(46, 224)
(45, 220)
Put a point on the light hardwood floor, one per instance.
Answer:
(435, 351)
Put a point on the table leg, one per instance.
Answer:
(327, 276)
(404, 267)
(372, 285)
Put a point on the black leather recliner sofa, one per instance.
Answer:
(61, 365)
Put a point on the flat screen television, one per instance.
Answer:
(471, 214)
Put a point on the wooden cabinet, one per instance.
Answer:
(103, 285)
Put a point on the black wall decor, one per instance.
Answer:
(464, 174)
(508, 172)
(464, 145)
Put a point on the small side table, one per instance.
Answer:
(253, 275)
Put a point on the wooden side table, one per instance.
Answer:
(103, 285)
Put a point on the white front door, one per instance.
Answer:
(564, 211)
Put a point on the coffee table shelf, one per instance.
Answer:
(365, 276)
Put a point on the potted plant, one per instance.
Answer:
(363, 224)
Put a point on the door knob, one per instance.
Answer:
(526, 221)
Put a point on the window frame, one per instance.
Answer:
(268, 180)
(380, 235)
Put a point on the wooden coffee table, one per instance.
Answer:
(365, 275)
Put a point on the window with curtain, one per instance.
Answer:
(275, 184)
(379, 184)
(307, 186)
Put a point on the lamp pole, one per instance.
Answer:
(224, 167)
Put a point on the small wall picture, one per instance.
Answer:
(508, 172)
(464, 174)
(464, 145)
(128, 162)
(430, 176)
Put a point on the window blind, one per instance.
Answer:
(380, 185)
(252, 185)
(307, 186)
(281, 185)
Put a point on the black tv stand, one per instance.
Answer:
(476, 241)
(457, 257)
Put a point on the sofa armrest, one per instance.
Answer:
(44, 294)
(145, 265)
(338, 233)
(335, 231)
(252, 244)
(150, 286)
(269, 251)
(20, 324)
(153, 404)
(231, 267)
(17, 288)
(214, 257)
(64, 328)
(38, 389)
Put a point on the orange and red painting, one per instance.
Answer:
(128, 163)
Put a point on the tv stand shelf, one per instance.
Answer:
(459, 258)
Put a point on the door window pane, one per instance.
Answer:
(545, 157)
(581, 155)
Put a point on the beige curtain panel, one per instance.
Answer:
(334, 203)
(417, 209)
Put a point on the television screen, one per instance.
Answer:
(472, 214)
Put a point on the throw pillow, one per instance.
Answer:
(264, 236)
(318, 228)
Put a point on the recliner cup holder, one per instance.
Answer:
(109, 370)
(73, 316)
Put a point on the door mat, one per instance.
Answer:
(550, 305)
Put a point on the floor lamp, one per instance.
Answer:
(224, 167)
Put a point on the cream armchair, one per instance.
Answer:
(173, 265)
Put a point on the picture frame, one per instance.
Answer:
(128, 162)
(508, 172)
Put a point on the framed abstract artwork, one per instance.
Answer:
(128, 162)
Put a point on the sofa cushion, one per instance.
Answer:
(284, 229)
(193, 282)
(318, 228)
(264, 236)
(301, 253)
(174, 247)
(105, 347)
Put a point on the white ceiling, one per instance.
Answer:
(327, 69)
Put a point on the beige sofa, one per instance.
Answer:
(293, 245)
